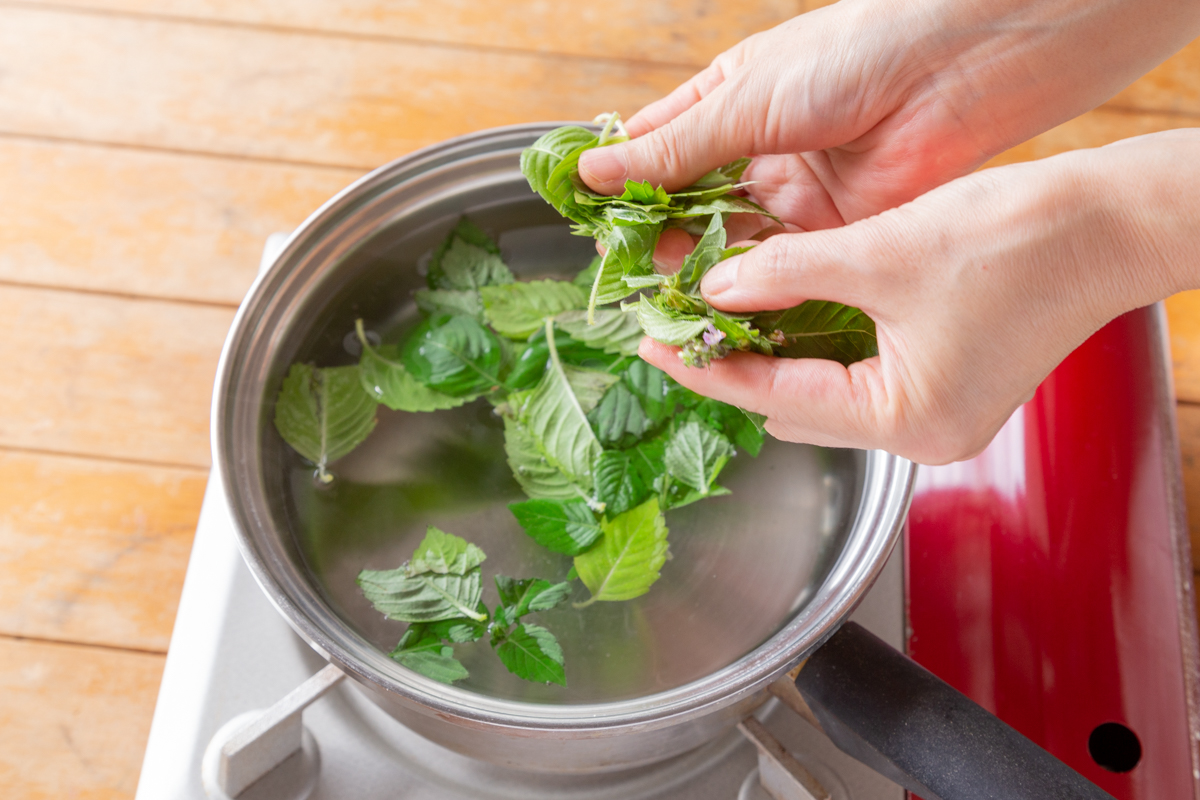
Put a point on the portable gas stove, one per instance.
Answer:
(1049, 579)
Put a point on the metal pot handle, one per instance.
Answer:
(900, 719)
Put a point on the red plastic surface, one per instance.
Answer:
(1042, 574)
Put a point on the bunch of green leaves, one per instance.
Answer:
(672, 311)
(439, 592)
(602, 443)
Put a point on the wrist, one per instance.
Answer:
(1128, 219)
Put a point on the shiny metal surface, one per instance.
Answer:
(1069, 531)
(358, 256)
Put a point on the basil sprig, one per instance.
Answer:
(672, 311)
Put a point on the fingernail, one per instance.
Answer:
(604, 165)
(721, 277)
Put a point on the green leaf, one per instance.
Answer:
(563, 526)
(324, 413)
(538, 478)
(626, 561)
(541, 162)
(709, 250)
(730, 173)
(423, 598)
(386, 380)
(587, 275)
(619, 484)
(666, 328)
(645, 193)
(444, 553)
(679, 496)
(744, 430)
(648, 459)
(531, 652)
(531, 364)
(741, 334)
(450, 301)
(529, 595)
(589, 385)
(454, 355)
(725, 204)
(613, 331)
(467, 260)
(517, 310)
(556, 419)
(629, 250)
(821, 329)
(618, 417)
(655, 281)
(608, 286)
(695, 455)
(656, 393)
(422, 651)
(460, 629)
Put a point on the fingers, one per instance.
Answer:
(686, 95)
(709, 133)
(805, 400)
(787, 269)
(673, 247)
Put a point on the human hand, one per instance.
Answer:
(866, 104)
(978, 289)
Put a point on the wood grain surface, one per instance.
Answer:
(93, 550)
(150, 224)
(147, 147)
(288, 96)
(667, 31)
(1188, 418)
(73, 720)
(1183, 320)
(108, 376)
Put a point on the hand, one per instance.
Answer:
(866, 104)
(978, 290)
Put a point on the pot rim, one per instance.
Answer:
(242, 380)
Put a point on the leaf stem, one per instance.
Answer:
(595, 293)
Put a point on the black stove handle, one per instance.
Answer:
(900, 719)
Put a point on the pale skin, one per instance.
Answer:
(866, 118)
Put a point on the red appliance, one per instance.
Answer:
(1050, 577)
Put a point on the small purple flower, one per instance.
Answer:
(712, 336)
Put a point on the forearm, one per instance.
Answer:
(1148, 187)
(1010, 69)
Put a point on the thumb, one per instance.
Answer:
(703, 137)
(787, 269)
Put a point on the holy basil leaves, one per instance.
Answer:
(602, 443)
(673, 312)
(439, 591)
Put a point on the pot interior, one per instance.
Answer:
(740, 567)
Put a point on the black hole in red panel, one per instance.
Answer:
(1115, 747)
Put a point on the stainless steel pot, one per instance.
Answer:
(337, 265)
(818, 524)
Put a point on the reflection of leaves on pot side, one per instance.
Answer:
(601, 442)
(673, 312)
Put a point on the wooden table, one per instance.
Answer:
(146, 151)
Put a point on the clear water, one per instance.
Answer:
(739, 566)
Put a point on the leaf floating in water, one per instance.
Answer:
(625, 562)
(323, 413)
